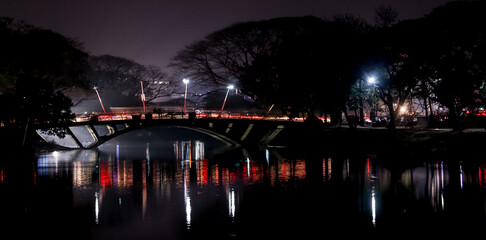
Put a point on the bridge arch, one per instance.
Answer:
(232, 132)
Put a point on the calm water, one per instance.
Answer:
(172, 188)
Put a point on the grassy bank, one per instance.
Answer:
(416, 144)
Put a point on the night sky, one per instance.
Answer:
(151, 32)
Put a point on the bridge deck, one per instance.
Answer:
(230, 130)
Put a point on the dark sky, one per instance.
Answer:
(151, 32)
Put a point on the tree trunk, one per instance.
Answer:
(430, 106)
(349, 120)
(361, 113)
(393, 116)
(453, 118)
(426, 107)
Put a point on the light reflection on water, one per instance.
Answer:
(135, 193)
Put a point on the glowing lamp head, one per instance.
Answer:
(185, 81)
(371, 80)
(403, 110)
(231, 87)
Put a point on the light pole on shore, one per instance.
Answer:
(226, 97)
(101, 102)
(143, 98)
(373, 112)
(185, 81)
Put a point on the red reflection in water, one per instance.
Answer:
(368, 167)
(479, 175)
(105, 174)
(2, 175)
(204, 172)
(482, 175)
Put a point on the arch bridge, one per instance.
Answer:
(235, 132)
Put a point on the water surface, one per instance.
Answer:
(189, 186)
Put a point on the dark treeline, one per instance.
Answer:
(307, 65)
(118, 80)
(36, 65)
(44, 74)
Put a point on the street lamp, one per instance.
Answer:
(143, 98)
(185, 81)
(224, 102)
(371, 80)
(101, 102)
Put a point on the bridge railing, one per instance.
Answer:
(207, 114)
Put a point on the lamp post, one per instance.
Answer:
(360, 103)
(372, 81)
(224, 102)
(101, 102)
(185, 81)
(143, 98)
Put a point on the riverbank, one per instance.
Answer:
(419, 144)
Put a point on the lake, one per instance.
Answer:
(171, 183)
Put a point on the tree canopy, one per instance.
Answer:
(306, 65)
(438, 58)
(297, 64)
(36, 65)
(119, 80)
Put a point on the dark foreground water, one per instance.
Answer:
(145, 186)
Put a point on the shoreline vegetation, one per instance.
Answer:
(402, 144)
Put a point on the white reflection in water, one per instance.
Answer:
(374, 181)
(267, 156)
(198, 177)
(189, 150)
(187, 203)
(373, 207)
(442, 184)
(118, 152)
(231, 203)
(61, 162)
(461, 175)
(438, 180)
(97, 208)
(248, 167)
(147, 157)
(327, 168)
(346, 169)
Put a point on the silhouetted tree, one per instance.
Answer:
(349, 48)
(289, 75)
(36, 66)
(454, 51)
(118, 79)
(445, 56)
(385, 16)
(300, 65)
(308, 65)
(388, 62)
(222, 57)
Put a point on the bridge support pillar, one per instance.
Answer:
(269, 137)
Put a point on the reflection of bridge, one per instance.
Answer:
(231, 131)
